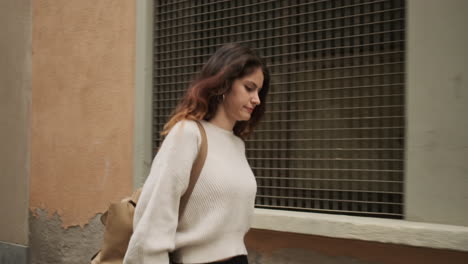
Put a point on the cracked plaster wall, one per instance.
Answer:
(83, 56)
(50, 243)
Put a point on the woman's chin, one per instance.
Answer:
(245, 117)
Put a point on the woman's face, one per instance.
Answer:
(240, 102)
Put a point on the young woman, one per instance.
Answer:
(228, 98)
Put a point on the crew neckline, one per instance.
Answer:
(230, 132)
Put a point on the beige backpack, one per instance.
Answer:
(118, 219)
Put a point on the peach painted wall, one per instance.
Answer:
(82, 106)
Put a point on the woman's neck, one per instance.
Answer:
(222, 120)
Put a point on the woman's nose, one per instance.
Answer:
(256, 99)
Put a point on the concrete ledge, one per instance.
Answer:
(364, 228)
(13, 254)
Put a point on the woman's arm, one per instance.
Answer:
(156, 214)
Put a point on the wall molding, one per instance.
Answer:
(13, 253)
(392, 231)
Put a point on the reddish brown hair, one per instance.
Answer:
(200, 102)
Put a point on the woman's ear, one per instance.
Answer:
(226, 87)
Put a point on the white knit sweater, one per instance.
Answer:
(218, 213)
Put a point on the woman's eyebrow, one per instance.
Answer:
(254, 84)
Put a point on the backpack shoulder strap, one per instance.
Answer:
(194, 173)
(196, 169)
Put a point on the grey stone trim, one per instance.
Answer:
(393, 231)
(13, 254)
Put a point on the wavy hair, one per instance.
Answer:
(200, 102)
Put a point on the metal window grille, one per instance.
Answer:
(332, 138)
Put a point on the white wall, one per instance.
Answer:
(437, 112)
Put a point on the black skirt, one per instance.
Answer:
(242, 259)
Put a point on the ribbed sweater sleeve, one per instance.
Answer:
(156, 214)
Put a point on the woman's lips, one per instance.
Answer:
(250, 110)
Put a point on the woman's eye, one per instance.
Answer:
(249, 88)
